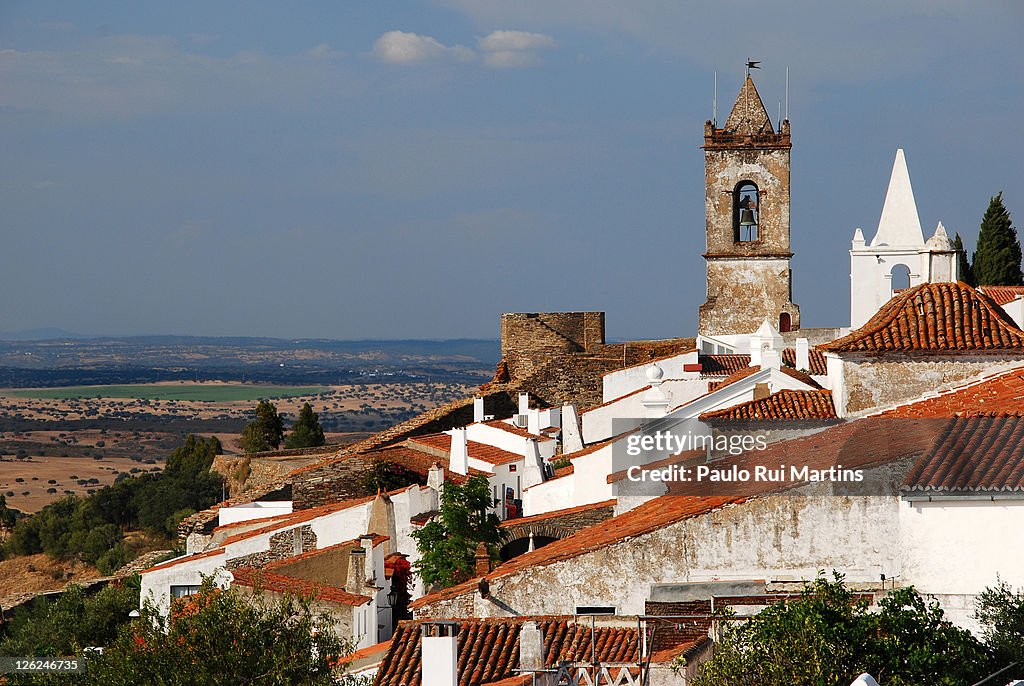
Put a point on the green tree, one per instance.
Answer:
(384, 476)
(964, 262)
(265, 432)
(827, 637)
(1000, 610)
(448, 543)
(997, 259)
(75, 620)
(306, 432)
(224, 636)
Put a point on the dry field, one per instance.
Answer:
(40, 466)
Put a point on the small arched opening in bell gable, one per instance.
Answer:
(746, 203)
(900, 278)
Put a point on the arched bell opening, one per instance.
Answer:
(746, 203)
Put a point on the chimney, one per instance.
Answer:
(654, 399)
(524, 403)
(478, 409)
(439, 653)
(435, 477)
(533, 469)
(531, 647)
(803, 354)
(355, 581)
(458, 456)
(482, 560)
(761, 391)
(572, 432)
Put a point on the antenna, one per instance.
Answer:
(787, 93)
(714, 110)
(780, 116)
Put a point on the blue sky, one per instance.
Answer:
(413, 169)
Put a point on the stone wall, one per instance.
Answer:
(556, 527)
(774, 537)
(282, 545)
(882, 381)
(530, 340)
(743, 292)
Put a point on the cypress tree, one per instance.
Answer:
(966, 273)
(997, 261)
(307, 432)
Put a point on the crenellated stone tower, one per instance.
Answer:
(747, 206)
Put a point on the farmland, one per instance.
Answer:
(197, 392)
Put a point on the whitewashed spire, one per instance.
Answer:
(900, 224)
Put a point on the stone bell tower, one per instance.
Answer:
(746, 165)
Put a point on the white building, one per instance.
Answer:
(898, 256)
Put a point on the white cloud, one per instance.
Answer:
(510, 49)
(507, 41)
(508, 59)
(402, 47)
(321, 51)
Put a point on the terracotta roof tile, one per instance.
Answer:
(934, 317)
(784, 404)
(513, 429)
(480, 451)
(284, 562)
(1002, 393)
(279, 583)
(553, 514)
(1002, 295)
(489, 649)
(982, 453)
(815, 358)
(722, 365)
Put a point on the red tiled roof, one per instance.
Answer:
(815, 358)
(279, 583)
(489, 648)
(784, 404)
(983, 453)
(1002, 393)
(513, 429)
(556, 513)
(722, 365)
(480, 451)
(369, 651)
(1002, 295)
(934, 317)
(738, 375)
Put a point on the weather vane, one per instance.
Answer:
(752, 64)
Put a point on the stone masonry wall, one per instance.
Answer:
(282, 545)
(531, 339)
(742, 293)
(883, 381)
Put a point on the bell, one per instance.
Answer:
(747, 218)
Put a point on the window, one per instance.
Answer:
(745, 212)
(785, 323)
(184, 591)
(900, 275)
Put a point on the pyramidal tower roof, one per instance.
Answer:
(900, 224)
(748, 116)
